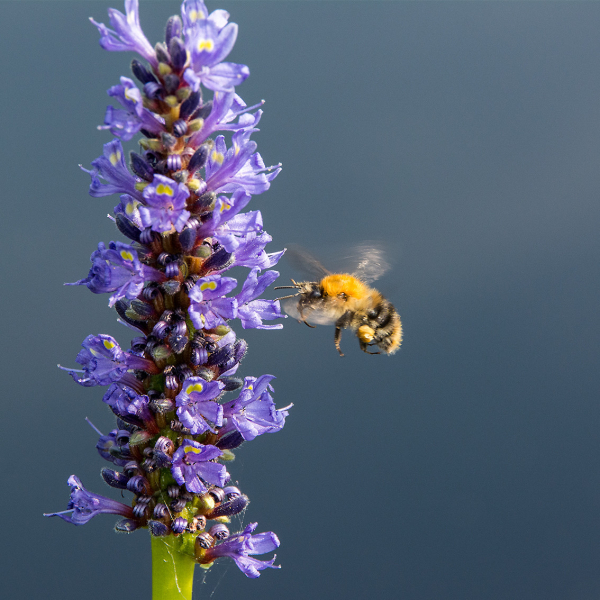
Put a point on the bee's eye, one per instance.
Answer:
(342, 295)
(315, 294)
(372, 314)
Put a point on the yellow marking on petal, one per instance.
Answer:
(225, 206)
(203, 319)
(218, 157)
(187, 449)
(237, 149)
(114, 158)
(108, 344)
(126, 255)
(130, 97)
(130, 208)
(208, 285)
(205, 45)
(250, 387)
(194, 387)
(165, 189)
(94, 352)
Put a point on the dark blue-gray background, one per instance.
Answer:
(465, 137)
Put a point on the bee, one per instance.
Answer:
(346, 300)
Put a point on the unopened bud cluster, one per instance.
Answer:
(181, 411)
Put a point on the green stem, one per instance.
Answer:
(172, 570)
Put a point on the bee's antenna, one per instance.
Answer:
(285, 297)
(286, 287)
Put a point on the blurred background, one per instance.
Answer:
(464, 136)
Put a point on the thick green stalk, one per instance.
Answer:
(172, 570)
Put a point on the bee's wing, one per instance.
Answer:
(311, 314)
(370, 260)
(305, 263)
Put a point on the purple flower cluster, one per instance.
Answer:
(180, 207)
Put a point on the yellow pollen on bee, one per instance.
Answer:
(209, 285)
(114, 158)
(365, 333)
(167, 190)
(205, 45)
(218, 157)
(195, 387)
(108, 344)
(187, 449)
(126, 255)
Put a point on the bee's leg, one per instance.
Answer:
(340, 324)
(365, 348)
(303, 318)
(337, 339)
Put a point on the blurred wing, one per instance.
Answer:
(305, 263)
(313, 315)
(371, 262)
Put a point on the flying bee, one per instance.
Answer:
(346, 300)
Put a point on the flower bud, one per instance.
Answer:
(173, 29)
(114, 478)
(178, 53)
(231, 507)
(179, 525)
(141, 73)
(219, 531)
(205, 540)
(141, 167)
(127, 525)
(158, 529)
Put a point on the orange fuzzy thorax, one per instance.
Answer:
(344, 284)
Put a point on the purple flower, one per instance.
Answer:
(126, 123)
(250, 311)
(195, 404)
(225, 209)
(111, 167)
(238, 167)
(164, 205)
(104, 362)
(119, 397)
(252, 254)
(253, 412)
(192, 466)
(127, 34)
(209, 39)
(225, 108)
(208, 308)
(110, 450)
(232, 233)
(129, 208)
(119, 270)
(85, 505)
(239, 547)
